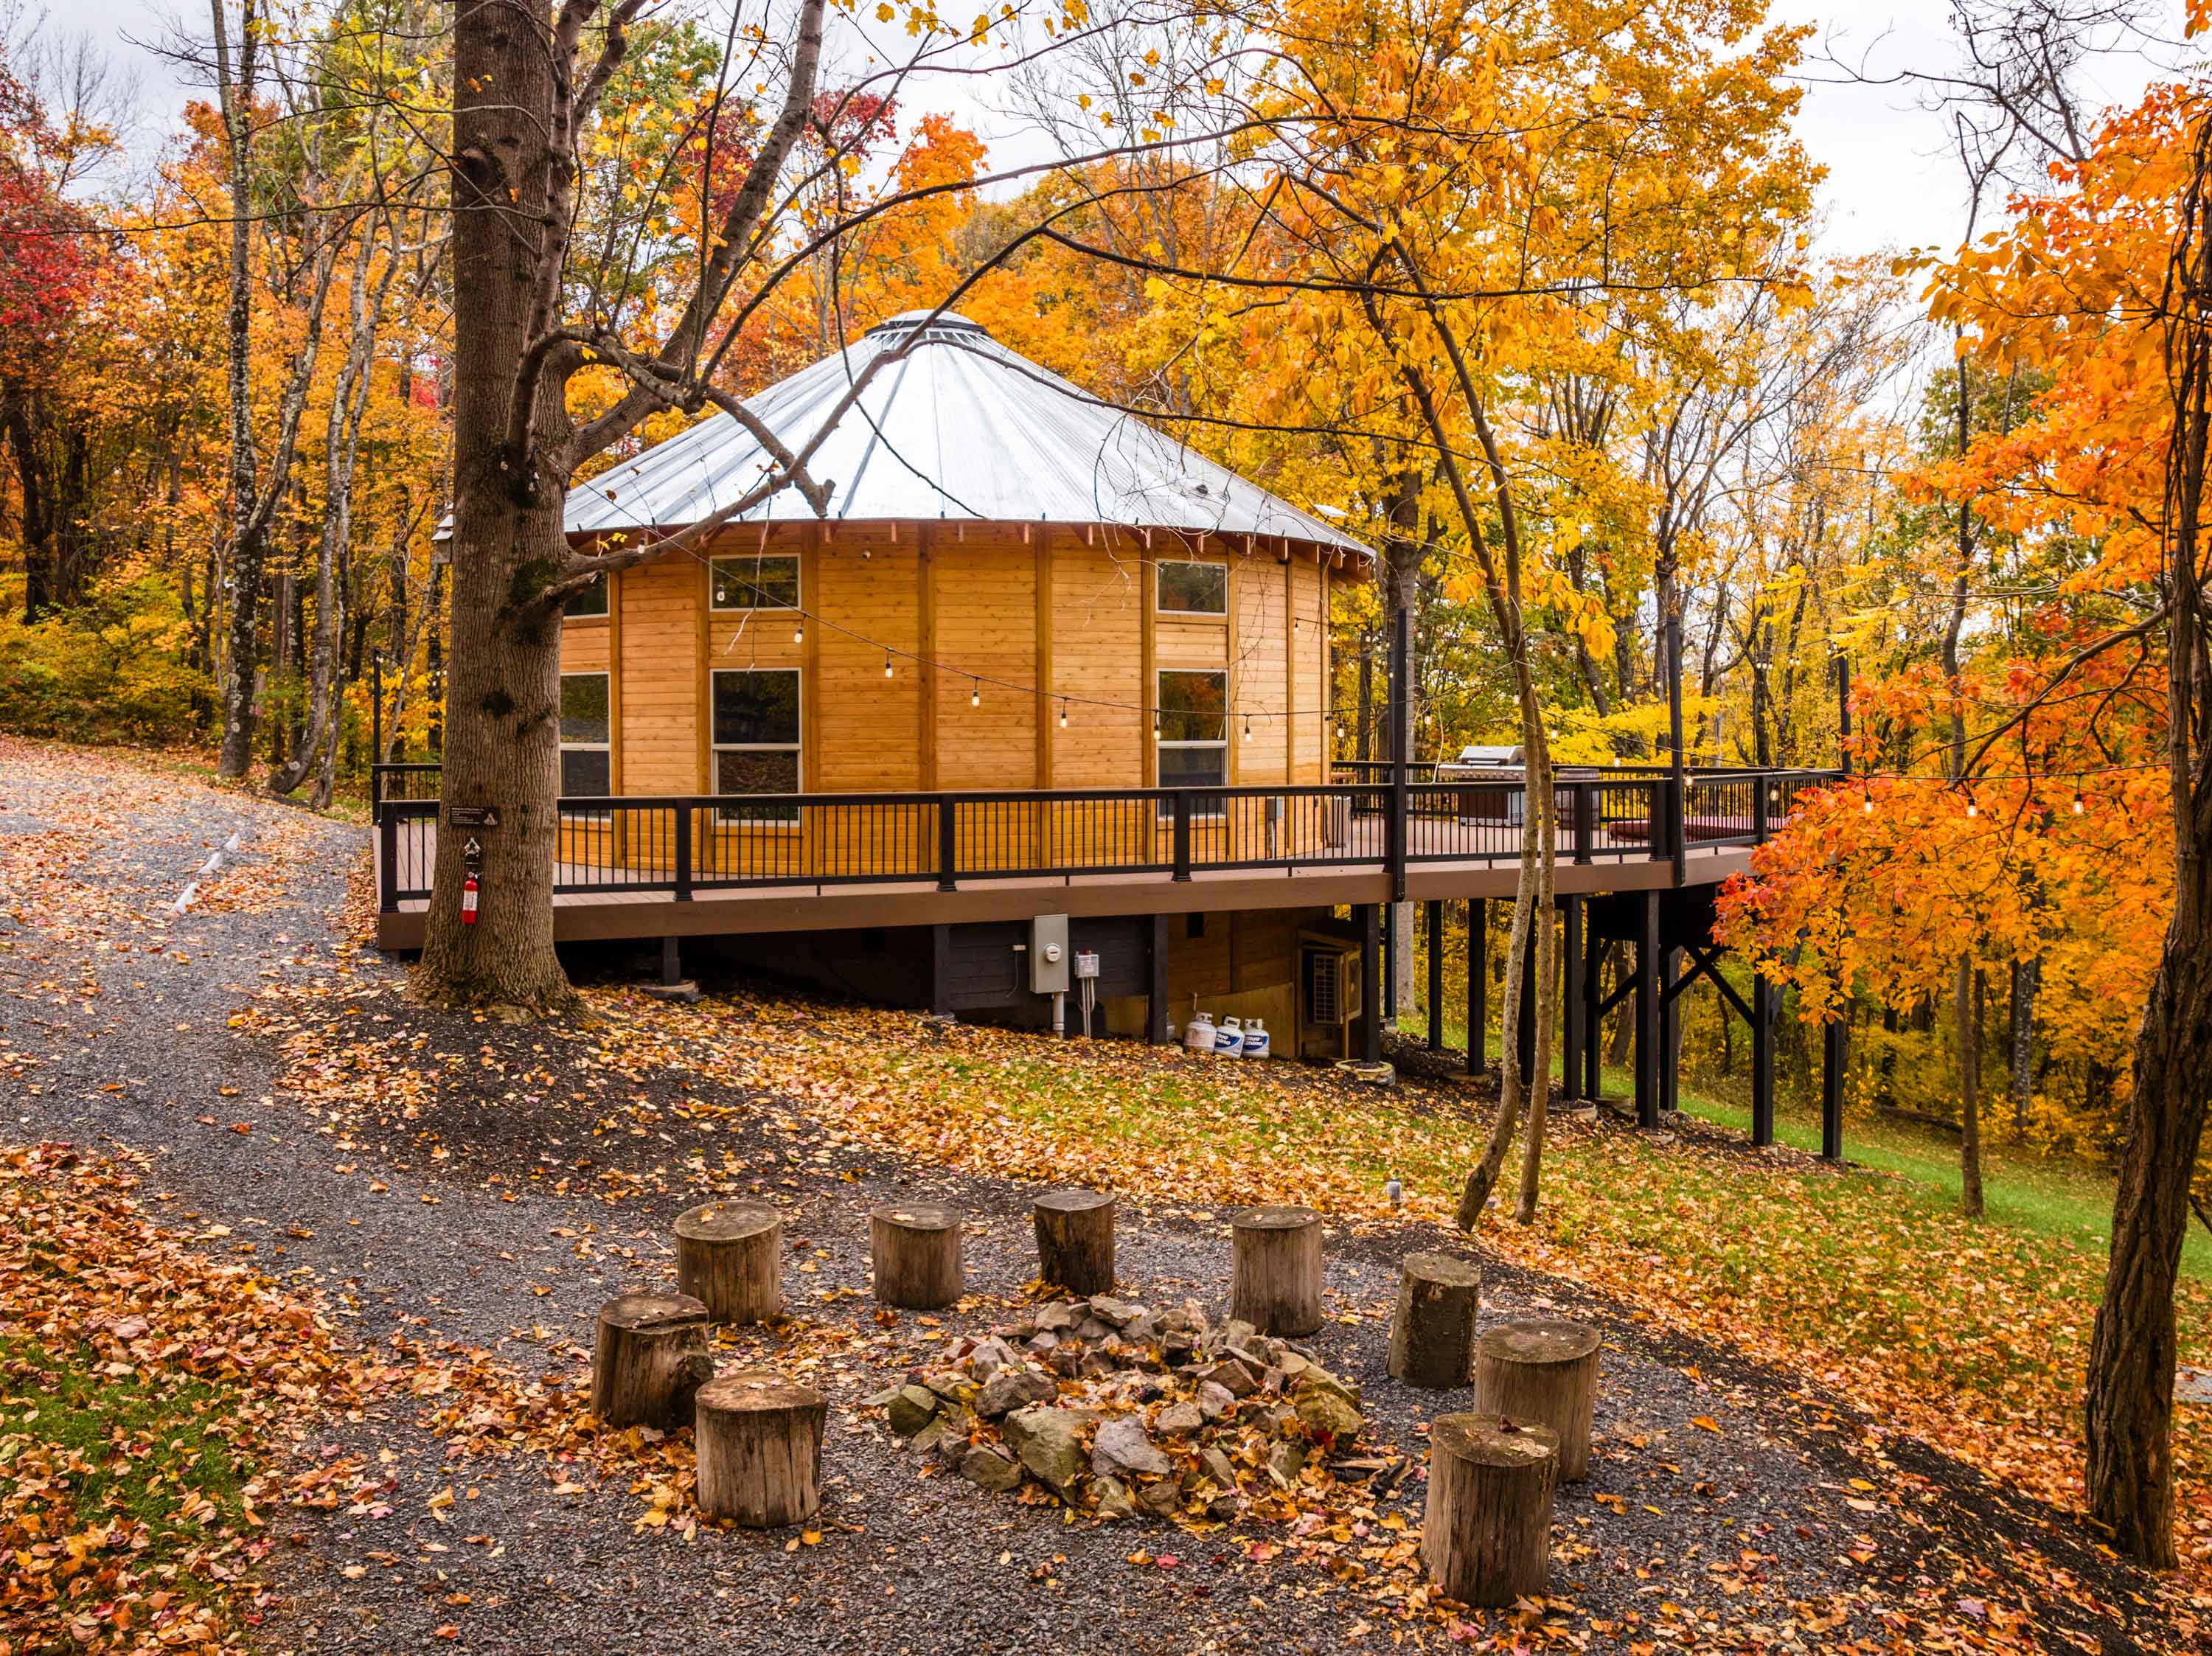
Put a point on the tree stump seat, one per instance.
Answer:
(1542, 1369)
(1276, 1283)
(759, 1443)
(729, 1256)
(915, 1250)
(1486, 1530)
(1075, 1240)
(1432, 1331)
(649, 1359)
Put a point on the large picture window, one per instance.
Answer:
(753, 583)
(756, 740)
(1194, 742)
(1193, 589)
(587, 752)
(591, 602)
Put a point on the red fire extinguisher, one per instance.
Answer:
(469, 901)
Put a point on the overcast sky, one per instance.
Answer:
(1892, 182)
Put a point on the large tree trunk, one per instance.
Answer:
(2026, 977)
(249, 529)
(503, 695)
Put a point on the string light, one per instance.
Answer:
(799, 632)
(1867, 801)
(2077, 801)
(1063, 712)
(1156, 725)
(975, 695)
(887, 663)
(1248, 727)
(1972, 809)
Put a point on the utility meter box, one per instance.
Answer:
(1086, 966)
(1049, 955)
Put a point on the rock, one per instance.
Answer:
(1014, 1388)
(990, 1467)
(952, 1388)
(1042, 1342)
(1050, 1444)
(1122, 1446)
(1326, 1412)
(989, 1357)
(1067, 1361)
(1179, 1420)
(1146, 1326)
(1218, 1467)
(1176, 1349)
(1114, 1501)
(1092, 1365)
(1224, 1508)
(1237, 1334)
(1091, 1329)
(1057, 1317)
(1285, 1462)
(1232, 1377)
(913, 1408)
(1162, 1500)
(1118, 1312)
(1293, 1364)
(1215, 1402)
(931, 1435)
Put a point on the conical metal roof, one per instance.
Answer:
(961, 428)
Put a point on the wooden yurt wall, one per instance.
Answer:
(1071, 613)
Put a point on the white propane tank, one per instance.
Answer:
(1229, 1041)
(1198, 1034)
(1255, 1038)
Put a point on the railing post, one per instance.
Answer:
(1758, 787)
(1585, 795)
(1677, 843)
(683, 853)
(1660, 821)
(388, 863)
(1182, 833)
(948, 843)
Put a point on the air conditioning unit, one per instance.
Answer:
(1330, 978)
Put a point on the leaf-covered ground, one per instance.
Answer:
(1783, 1344)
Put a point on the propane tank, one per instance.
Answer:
(469, 901)
(1255, 1038)
(1228, 1040)
(1198, 1034)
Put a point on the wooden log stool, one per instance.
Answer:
(1432, 1331)
(1276, 1284)
(729, 1256)
(1543, 1370)
(760, 1449)
(1486, 1530)
(1075, 1240)
(914, 1247)
(649, 1359)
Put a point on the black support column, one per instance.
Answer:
(1762, 1061)
(1832, 1038)
(1370, 980)
(1573, 1022)
(940, 970)
(1435, 916)
(1670, 1033)
(1391, 943)
(1647, 1011)
(1593, 1028)
(1477, 985)
(1156, 976)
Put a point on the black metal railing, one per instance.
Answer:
(680, 845)
(398, 783)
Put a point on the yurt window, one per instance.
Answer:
(592, 601)
(1193, 589)
(586, 761)
(1193, 729)
(755, 583)
(755, 743)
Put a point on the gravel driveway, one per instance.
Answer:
(498, 1209)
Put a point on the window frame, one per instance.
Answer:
(1184, 744)
(607, 747)
(733, 815)
(752, 586)
(604, 586)
(1159, 589)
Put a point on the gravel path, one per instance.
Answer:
(500, 1211)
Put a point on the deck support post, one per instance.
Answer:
(1832, 1091)
(1670, 1032)
(1762, 1061)
(1370, 980)
(1571, 999)
(1435, 917)
(940, 971)
(1478, 985)
(1524, 1029)
(672, 962)
(1156, 974)
(1593, 1024)
(1647, 1010)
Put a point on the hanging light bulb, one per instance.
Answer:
(975, 695)
(1063, 712)
(1155, 726)
(1867, 802)
(799, 632)
(1248, 727)
(2077, 801)
(1972, 809)
(887, 663)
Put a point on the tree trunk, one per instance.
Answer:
(1432, 1331)
(2026, 977)
(1276, 1280)
(1075, 1240)
(1966, 999)
(1487, 1529)
(1543, 1370)
(248, 546)
(502, 737)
